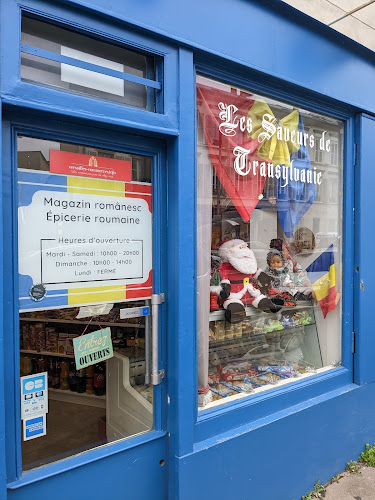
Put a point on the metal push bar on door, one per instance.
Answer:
(156, 374)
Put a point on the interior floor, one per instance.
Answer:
(71, 428)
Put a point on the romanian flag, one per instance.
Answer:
(321, 274)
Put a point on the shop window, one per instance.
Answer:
(83, 262)
(62, 59)
(269, 258)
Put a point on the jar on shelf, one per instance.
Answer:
(237, 330)
(220, 330)
(229, 331)
(246, 328)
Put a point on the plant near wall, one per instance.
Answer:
(319, 491)
(353, 467)
(368, 456)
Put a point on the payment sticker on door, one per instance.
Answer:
(34, 395)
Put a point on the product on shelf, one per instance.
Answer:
(40, 336)
(81, 380)
(99, 379)
(62, 343)
(56, 370)
(229, 330)
(72, 376)
(50, 371)
(236, 370)
(90, 379)
(64, 375)
(51, 339)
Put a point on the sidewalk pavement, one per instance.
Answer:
(353, 486)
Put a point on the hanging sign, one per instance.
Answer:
(93, 348)
(34, 395)
(82, 240)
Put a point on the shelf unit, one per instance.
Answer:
(77, 398)
(47, 353)
(78, 322)
(252, 311)
(241, 341)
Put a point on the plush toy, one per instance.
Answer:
(239, 273)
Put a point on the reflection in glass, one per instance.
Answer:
(269, 242)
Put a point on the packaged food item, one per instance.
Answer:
(246, 327)
(231, 386)
(69, 346)
(26, 336)
(51, 339)
(62, 343)
(32, 338)
(40, 337)
(229, 331)
(237, 330)
(223, 391)
(220, 330)
(140, 343)
(237, 370)
(213, 378)
(130, 341)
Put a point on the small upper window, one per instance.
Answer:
(62, 59)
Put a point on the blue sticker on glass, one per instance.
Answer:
(34, 427)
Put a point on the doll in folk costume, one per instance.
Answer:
(301, 288)
(281, 284)
(238, 273)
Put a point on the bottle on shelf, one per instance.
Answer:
(90, 379)
(26, 365)
(81, 380)
(42, 364)
(34, 365)
(99, 379)
(56, 374)
(72, 376)
(64, 375)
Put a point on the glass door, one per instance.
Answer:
(88, 317)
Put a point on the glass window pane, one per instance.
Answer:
(79, 274)
(269, 242)
(35, 69)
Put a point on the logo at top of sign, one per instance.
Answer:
(38, 292)
(36, 384)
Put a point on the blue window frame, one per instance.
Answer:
(158, 79)
(222, 419)
(63, 59)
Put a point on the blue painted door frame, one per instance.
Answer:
(130, 459)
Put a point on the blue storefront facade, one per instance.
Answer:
(273, 444)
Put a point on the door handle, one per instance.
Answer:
(156, 374)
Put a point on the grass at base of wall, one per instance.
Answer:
(367, 457)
